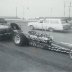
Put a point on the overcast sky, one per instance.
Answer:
(34, 8)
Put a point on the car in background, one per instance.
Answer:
(4, 28)
(50, 24)
(7, 29)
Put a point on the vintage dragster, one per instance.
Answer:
(36, 39)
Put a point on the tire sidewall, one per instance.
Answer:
(14, 37)
(23, 39)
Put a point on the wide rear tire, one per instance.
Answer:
(20, 39)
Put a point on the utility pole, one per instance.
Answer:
(51, 12)
(23, 13)
(16, 12)
(69, 9)
(64, 8)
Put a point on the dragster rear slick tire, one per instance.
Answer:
(20, 39)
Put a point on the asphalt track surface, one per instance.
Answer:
(30, 59)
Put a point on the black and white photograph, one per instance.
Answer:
(35, 35)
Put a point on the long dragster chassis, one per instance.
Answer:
(52, 47)
(38, 40)
(48, 45)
